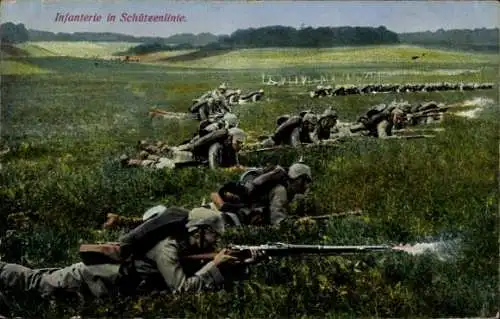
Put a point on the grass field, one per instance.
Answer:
(67, 127)
(286, 57)
(75, 49)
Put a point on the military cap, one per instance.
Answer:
(311, 118)
(329, 112)
(230, 119)
(299, 169)
(201, 216)
(237, 134)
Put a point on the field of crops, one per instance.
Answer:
(67, 128)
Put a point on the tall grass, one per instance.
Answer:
(66, 130)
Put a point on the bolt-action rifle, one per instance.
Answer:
(243, 252)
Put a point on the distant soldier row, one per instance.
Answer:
(379, 121)
(218, 141)
(220, 100)
(322, 91)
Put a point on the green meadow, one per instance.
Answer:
(67, 118)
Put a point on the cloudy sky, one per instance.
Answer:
(224, 18)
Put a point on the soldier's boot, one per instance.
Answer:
(143, 155)
(269, 142)
(135, 162)
(357, 127)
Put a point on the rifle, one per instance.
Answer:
(413, 130)
(430, 112)
(329, 142)
(243, 252)
(408, 137)
(329, 216)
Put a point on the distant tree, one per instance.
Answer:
(11, 33)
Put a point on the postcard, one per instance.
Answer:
(249, 159)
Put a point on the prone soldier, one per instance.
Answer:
(262, 197)
(229, 120)
(253, 96)
(219, 149)
(379, 121)
(137, 263)
(326, 124)
(293, 130)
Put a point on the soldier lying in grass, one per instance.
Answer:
(304, 128)
(217, 149)
(261, 197)
(227, 121)
(142, 262)
(379, 121)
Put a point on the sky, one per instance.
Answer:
(219, 17)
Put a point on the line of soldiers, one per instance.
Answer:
(151, 256)
(322, 91)
(218, 140)
(379, 121)
(145, 262)
(220, 100)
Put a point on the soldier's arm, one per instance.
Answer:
(382, 129)
(214, 156)
(165, 255)
(278, 204)
(295, 137)
(314, 136)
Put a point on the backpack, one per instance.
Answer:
(377, 109)
(201, 146)
(137, 242)
(283, 132)
(258, 181)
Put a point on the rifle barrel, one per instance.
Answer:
(282, 250)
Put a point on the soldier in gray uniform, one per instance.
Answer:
(217, 101)
(263, 202)
(293, 130)
(379, 121)
(219, 149)
(229, 120)
(161, 264)
(326, 124)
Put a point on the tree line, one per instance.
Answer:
(462, 39)
(273, 36)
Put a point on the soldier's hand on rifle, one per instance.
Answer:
(224, 257)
